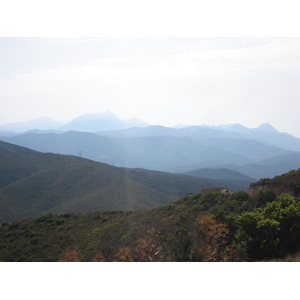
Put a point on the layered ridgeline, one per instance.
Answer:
(87, 123)
(257, 153)
(207, 226)
(34, 183)
(235, 180)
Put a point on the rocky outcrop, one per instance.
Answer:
(288, 183)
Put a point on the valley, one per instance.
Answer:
(34, 183)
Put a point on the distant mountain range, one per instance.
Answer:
(256, 153)
(87, 123)
(165, 153)
(101, 121)
(43, 123)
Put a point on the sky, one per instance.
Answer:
(161, 80)
(166, 81)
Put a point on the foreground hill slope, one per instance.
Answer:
(32, 184)
(207, 226)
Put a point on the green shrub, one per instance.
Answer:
(180, 207)
(69, 227)
(34, 241)
(263, 197)
(59, 221)
(240, 196)
(271, 231)
(43, 218)
(2, 246)
(46, 245)
(60, 228)
(66, 215)
(31, 234)
(14, 234)
(13, 226)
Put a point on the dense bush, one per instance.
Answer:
(207, 226)
(272, 230)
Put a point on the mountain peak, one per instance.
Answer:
(94, 122)
(266, 127)
(238, 128)
(95, 116)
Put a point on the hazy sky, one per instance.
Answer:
(165, 81)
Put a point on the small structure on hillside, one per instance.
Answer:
(222, 190)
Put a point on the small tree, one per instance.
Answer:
(147, 249)
(99, 257)
(69, 256)
(212, 240)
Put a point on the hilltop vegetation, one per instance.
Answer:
(285, 183)
(197, 227)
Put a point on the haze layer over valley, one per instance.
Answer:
(257, 153)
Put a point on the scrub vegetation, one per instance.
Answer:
(202, 227)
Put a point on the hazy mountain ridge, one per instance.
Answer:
(220, 174)
(43, 123)
(101, 121)
(226, 176)
(266, 168)
(156, 151)
(87, 123)
(265, 134)
(177, 150)
(36, 183)
(108, 124)
(164, 153)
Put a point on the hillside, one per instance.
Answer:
(267, 168)
(196, 227)
(219, 174)
(12, 148)
(285, 183)
(32, 184)
(228, 177)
